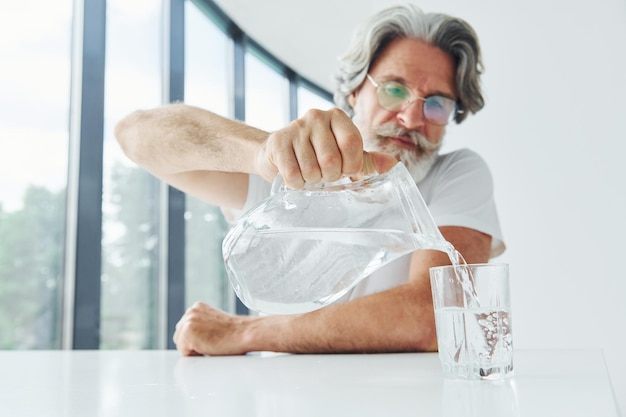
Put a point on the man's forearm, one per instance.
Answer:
(399, 319)
(180, 138)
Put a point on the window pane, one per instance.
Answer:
(267, 104)
(35, 39)
(307, 99)
(207, 64)
(130, 238)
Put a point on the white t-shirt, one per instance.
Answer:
(458, 191)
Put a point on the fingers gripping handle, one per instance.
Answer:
(368, 170)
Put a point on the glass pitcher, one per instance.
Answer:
(300, 250)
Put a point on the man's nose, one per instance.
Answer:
(412, 116)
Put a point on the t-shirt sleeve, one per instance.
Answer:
(463, 195)
(258, 190)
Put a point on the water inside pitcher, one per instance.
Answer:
(300, 250)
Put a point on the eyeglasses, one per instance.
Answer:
(395, 96)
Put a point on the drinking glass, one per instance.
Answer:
(473, 318)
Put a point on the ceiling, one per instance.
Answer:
(308, 36)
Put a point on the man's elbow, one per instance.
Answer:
(425, 339)
(127, 133)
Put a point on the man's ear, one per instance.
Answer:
(352, 99)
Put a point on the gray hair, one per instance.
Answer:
(450, 34)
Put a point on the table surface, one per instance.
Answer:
(162, 383)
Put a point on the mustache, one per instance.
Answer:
(392, 130)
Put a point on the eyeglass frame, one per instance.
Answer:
(414, 97)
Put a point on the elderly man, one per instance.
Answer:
(406, 75)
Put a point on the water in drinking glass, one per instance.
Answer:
(474, 342)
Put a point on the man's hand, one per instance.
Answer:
(204, 330)
(320, 146)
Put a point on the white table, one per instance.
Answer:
(161, 383)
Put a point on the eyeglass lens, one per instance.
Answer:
(394, 96)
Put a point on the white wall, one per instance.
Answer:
(552, 132)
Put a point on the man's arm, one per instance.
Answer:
(210, 157)
(194, 150)
(396, 320)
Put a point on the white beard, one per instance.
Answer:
(418, 161)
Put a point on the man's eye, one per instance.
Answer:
(396, 90)
(437, 102)
(434, 103)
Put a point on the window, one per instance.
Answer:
(266, 94)
(130, 206)
(37, 226)
(307, 99)
(208, 53)
(34, 109)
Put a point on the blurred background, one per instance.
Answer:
(95, 253)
